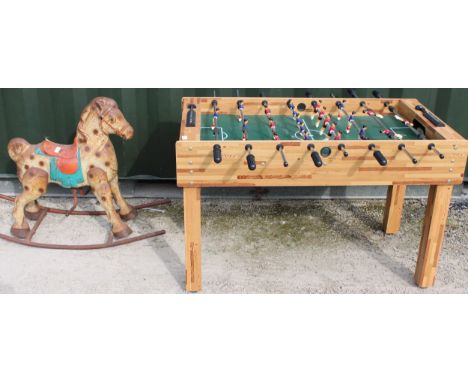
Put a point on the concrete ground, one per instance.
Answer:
(249, 246)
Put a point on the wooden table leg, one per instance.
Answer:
(433, 235)
(192, 228)
(394, 208)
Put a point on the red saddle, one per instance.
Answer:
(67, 159)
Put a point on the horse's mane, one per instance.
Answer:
(100, 105)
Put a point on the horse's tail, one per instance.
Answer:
(16, 147)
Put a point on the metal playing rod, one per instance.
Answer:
(402, 147)
(342, 148)
(433, 148)
(280, 148)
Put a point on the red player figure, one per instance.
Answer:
(338, 136)
(408, 123)
(372, 113)
(339, 115)
(405, 121)
(320, 117)
(391, 134)
(244, 136)
(317, 107)
(276, 136)
(332, 130)
(272, 124)
(268, 112)
(326, 123)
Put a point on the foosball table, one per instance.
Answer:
(269, 142)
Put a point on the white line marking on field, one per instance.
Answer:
(224, 135)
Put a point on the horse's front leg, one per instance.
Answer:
(99, 183)
(127, 212)
(34, 183)
(33, 210)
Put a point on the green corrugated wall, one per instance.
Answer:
(155, 114)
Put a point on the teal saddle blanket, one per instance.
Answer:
(65, 180)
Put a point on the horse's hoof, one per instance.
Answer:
(33, 215)
(126, 231)
(20, 233)
(131, 215)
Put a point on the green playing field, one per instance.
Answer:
(231, 129)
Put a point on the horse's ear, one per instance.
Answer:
(98, 106)
(85, 113)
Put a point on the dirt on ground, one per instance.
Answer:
(261, 246)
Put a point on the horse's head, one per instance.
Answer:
(112, 121)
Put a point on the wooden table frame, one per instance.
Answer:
(196, 169)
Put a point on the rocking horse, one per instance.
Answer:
(89, 161)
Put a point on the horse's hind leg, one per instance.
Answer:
(127, 212)
(34, 183)
(97, 179)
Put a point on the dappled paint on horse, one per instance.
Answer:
(89, 161)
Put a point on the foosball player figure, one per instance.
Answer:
(268, 112)
(215, 118)
(391, 134)
(340, 109)
(372, 113)
(302, 129)
(272, 124)
(290, 105)
(350, 122)
(325, 125)
(408, 123)
(275, 136)
(300, 123)
(405, 121)
(338, 136)
(332, 130)
(363, 132)
(240, 107)
(316, 105)
(245, 126)
(306, 135)
(320, 118)
(295, 114)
